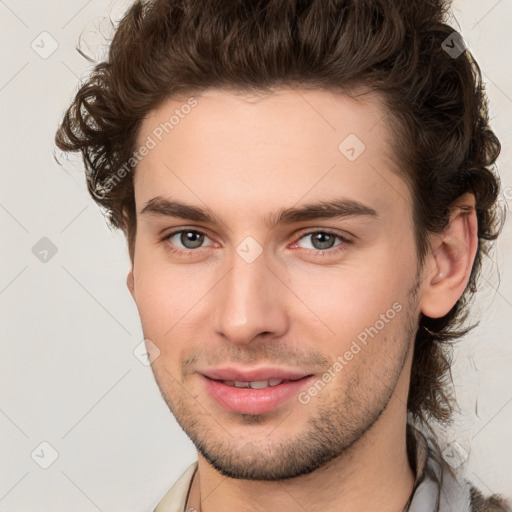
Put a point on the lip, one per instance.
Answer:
(254, 401)
(255, 374)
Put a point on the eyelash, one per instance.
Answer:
(316, 252)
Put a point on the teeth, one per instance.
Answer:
(257, 384)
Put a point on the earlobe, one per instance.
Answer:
(453, 254)
(130, 282)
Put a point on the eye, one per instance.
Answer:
(186, 239)
(322, 241)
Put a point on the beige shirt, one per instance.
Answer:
(436, 488)
(176, 498)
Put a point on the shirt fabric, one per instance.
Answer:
(436, 488)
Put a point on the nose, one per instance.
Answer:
(250, 302)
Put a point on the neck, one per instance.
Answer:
(374, 473)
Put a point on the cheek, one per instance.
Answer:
(352, 302)
(168, 297)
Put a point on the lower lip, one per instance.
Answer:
(253, 401)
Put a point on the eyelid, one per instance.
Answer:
(311, 231)
(307, 231)
(177, 231)
(343, 239)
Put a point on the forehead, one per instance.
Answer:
(215, 111)
(285, 145)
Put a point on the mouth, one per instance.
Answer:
(254, 396)
(256, 384)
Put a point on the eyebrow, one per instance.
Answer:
(327, 209)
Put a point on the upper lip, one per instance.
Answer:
(252, 375)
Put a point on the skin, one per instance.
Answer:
(246, 158)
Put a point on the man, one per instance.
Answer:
(307, 193)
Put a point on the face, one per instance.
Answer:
(274, 247)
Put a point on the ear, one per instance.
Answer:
(129, 278)
(130, 282)
(451, 258)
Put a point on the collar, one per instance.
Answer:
(437, 488)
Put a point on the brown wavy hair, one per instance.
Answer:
(435, 101)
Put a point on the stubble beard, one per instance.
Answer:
(337, 424)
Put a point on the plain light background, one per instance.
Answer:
(68, 325)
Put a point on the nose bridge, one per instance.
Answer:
(249, 301)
